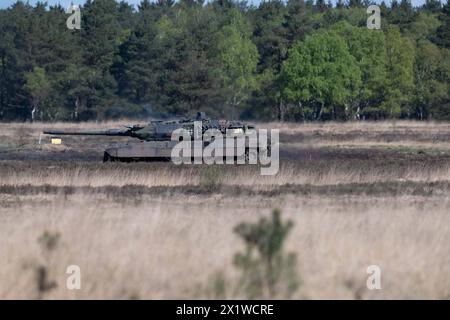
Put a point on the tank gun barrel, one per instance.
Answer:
(110, 132)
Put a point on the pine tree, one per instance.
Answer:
(355, 3)
(433, 6)
(443, 32)
(298, 22)
(100, 38)
(321, 6)
(269, 34)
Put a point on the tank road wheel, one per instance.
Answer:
(108, 158)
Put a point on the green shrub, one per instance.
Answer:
(49, 242)
(267, 272)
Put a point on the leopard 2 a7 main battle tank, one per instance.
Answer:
(155, 138)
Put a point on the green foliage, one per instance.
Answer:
(368, 49)
(321, 76)
(267, 271)
(37, 85)
(423, 27)
(239, 57)
(399, 82)
(442, 37)
(293, 60)
(401, 14)
(48, 241)
(298, 21)
(432, 68)
(217, 287)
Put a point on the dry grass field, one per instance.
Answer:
(359, 194)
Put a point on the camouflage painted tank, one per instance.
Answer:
(155, 138)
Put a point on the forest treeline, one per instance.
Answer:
(291, 60)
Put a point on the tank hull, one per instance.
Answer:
(157, 151)
(140, 151)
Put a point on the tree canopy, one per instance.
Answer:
(290, 60)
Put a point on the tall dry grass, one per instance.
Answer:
(160, 248)
(150, 175)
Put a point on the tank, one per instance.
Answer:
(155, 142)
